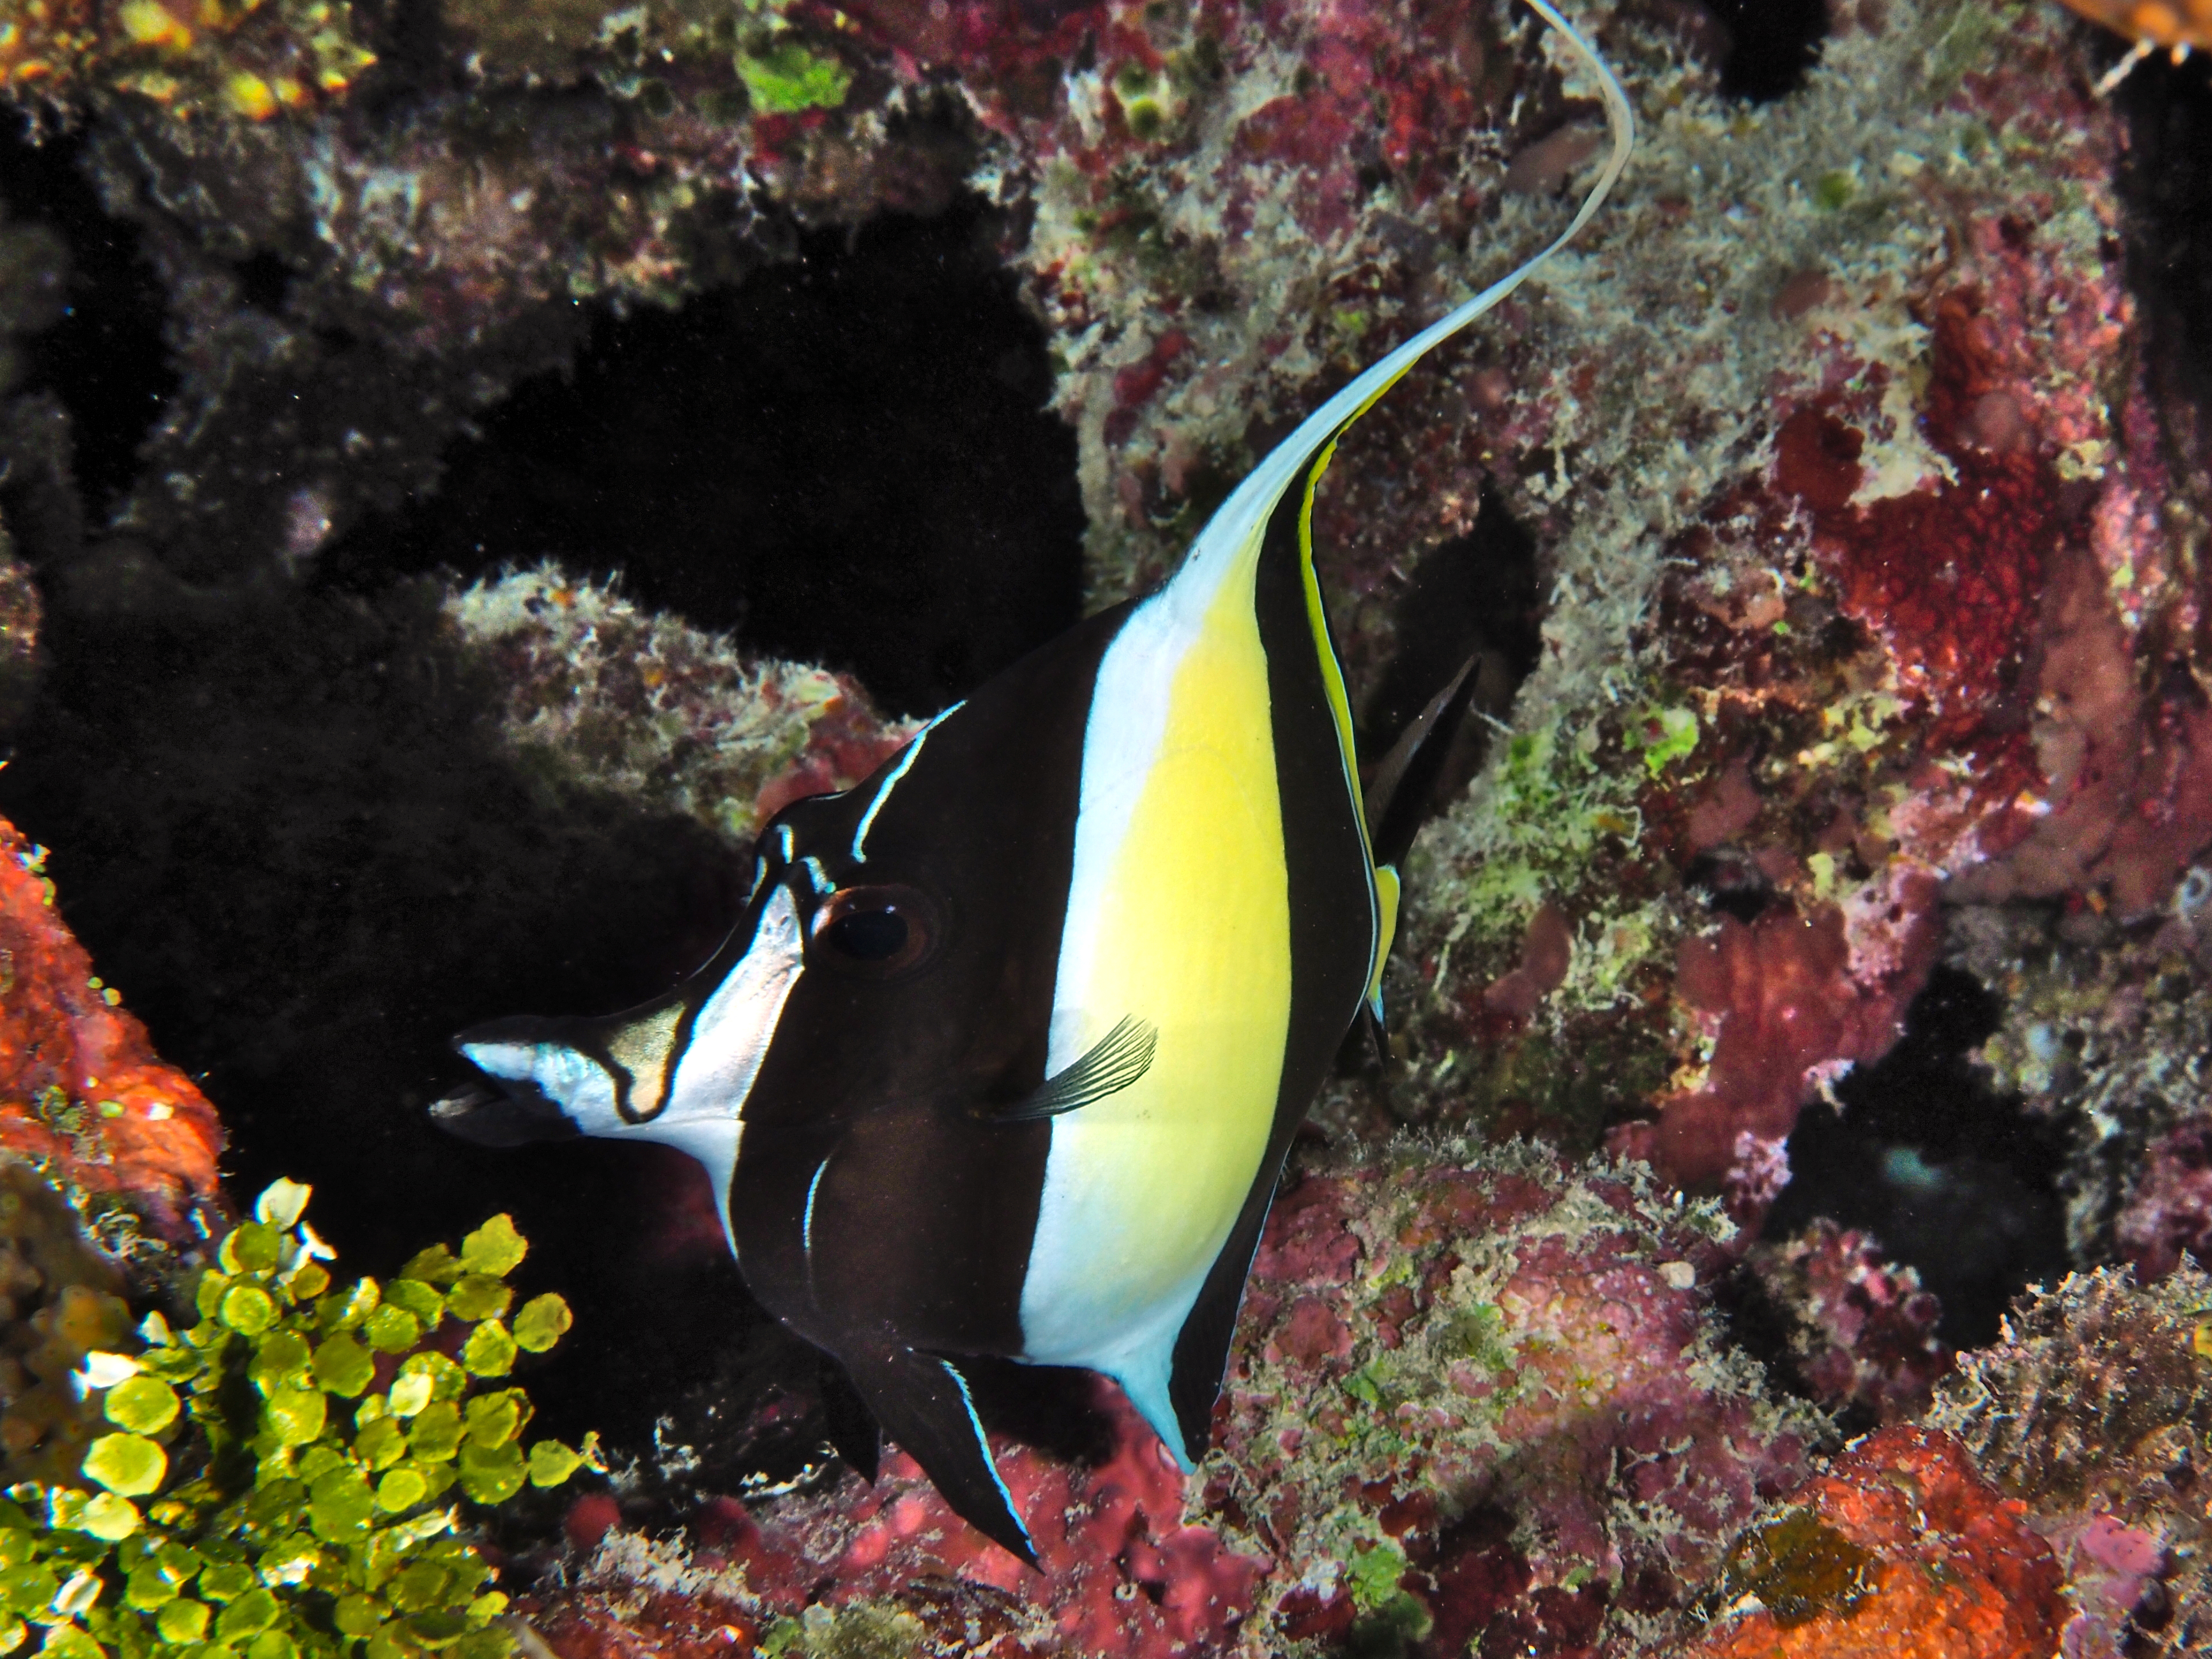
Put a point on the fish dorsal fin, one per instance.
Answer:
(1108, 1067)
(1306, 450)
(1201, 1346)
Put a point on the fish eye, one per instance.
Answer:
(875, 930)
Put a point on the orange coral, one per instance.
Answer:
(1900, 1550)
(2162, 22)
(82, 1091)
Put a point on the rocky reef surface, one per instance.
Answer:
(463, 464)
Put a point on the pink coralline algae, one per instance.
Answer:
(2092, 1410)
(1473, 1398)
(1478, 1398)
(602, 693)
(1546, 952)
(1122, 1573)
(1971, 584)
(1926, 647)
(83, 1094)
(1863, 1331)
(1784, 1008)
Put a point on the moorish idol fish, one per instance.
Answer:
(1004, 1053)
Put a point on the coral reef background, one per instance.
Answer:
(462, 465)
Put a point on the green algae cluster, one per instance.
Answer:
(861, 1631)
(277, 1478)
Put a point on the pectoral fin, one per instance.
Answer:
(922, 1402)
(1110, 1066)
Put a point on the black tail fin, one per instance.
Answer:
(922, 1402)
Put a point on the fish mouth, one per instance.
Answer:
(509, 1114)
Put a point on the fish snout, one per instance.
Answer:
(511, 1114)
(511, 1105)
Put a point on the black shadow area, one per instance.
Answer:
(1475, 596)
(847, 459)
(1771, 45)
(284, 827)
(1952, 1177)
(102, 356)
(2166, 185)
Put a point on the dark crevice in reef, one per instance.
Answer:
(1952, 1177)
(1477, 594)
(1771, 45)
(1730, 882)
(2166, 183)
(103, 357)
(411, 57)
(287, 833)
(285, 827)
(1755, 1322)
(846, 459)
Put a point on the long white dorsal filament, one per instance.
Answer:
(1252, 500)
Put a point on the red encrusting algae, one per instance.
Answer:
(82, 1091)
(1120, 1571)
(1787, 1007)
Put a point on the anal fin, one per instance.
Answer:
(922, 1402)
